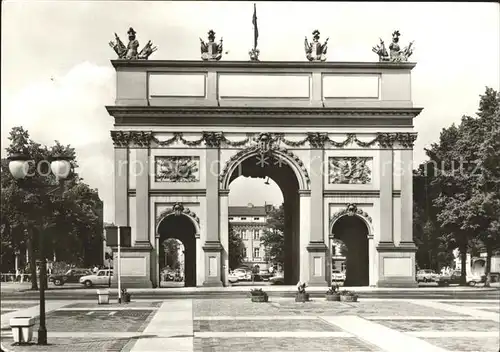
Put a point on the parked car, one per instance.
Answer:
(338, 275)
(278, 279)
(265, 275)
(232, 278)
(71, 276)
(454, 278)
(102, 277)
(427, 275)
(242, 274)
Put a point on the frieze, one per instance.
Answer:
(177, 169)
(350, 210)
(349, 170)
(263, 141)
(177, 210)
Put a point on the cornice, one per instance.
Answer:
(171, 192)
(274, 112)
(124, 64)
(348, 193)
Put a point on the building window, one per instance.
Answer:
(243, 218)
(231, 218)
(256, 252)
(244, 234)
(255, 234)
(256, 218)
(244, 252)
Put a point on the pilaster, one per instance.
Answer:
(121, 185)
(316, 247)
(407, 199)
(224, 233)
(142, 197)
(386, 238)
(305, 226)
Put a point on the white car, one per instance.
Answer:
(102, 277)
(242, 274)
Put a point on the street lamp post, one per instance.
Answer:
(19, 165)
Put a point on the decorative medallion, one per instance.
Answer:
(130, 52)
(395, 54)
(213, 139)
(177, 210)
(350, 210)
(177, 169)
(317, 140)
(349, 170)
(386, 140)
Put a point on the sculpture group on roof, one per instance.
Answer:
(212, 51)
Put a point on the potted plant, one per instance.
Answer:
(125, 296)
(348, 296)
(301, 295)
(258, 295)
(333, 293)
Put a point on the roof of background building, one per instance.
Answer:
(249, 210)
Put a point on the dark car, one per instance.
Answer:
(71, 276)
(454, 278)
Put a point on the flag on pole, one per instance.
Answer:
(255, 28)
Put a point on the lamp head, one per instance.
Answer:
(19, 165)
(61, 166)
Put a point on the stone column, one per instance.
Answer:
(316, 247)
(305, 226)
(142, 196)
(212, 247)
(224, 233)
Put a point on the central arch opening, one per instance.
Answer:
(181, 228)
(353, 233)
(274, 167)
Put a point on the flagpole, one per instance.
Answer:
(254, 53)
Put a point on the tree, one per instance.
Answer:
(171, 249)
(273, 238)
(468, 179)
(236, 248)
(72, 221)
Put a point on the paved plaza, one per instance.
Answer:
(280, 325)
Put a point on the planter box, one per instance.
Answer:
(126, 297)
(332, 297)
(302, 297)
(22, 329)
(349, 298)
(260, 298)
(102, 296)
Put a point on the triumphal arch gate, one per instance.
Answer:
(337, 137)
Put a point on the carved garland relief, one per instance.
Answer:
(349, 170)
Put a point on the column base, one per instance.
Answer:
(397, 283)
(396, 265)
(317, 264)
(135, 267)
(213, 264)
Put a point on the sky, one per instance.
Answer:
(57, 77)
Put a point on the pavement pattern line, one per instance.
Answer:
(256, 317)
(271, 334)
(453, 333)
(31, 312)
(385, 338)
(459, 309)
(422, 317)
(173, 326)
(85, 309)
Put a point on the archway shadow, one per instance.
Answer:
(352, 231)
(180, 227)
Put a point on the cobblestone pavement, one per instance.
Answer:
(238, 325)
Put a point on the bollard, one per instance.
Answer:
(22, 329)
(102, 296)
